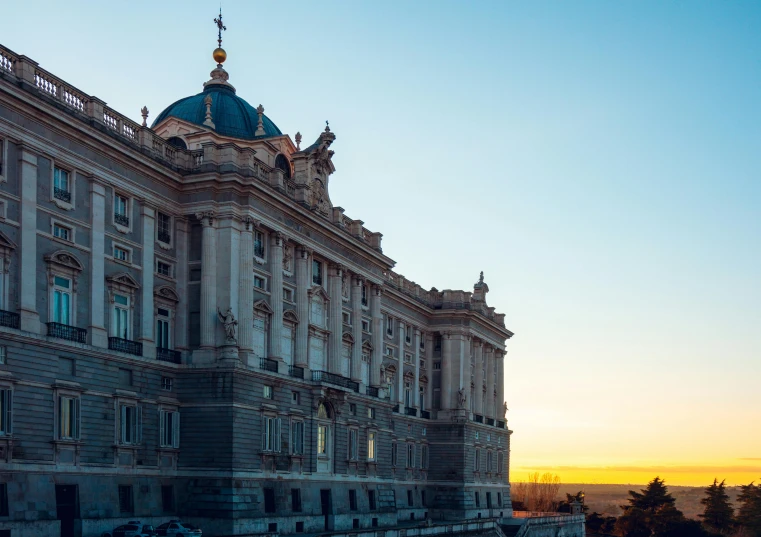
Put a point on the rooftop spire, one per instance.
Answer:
(219, 75)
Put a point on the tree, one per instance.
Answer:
(749, 510)
(538, 494)
(566, 505)
(650, 499)
(718, 513)
(652, 512)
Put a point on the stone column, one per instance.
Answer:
(400, 373)
(446, 372)
(416, 383)
(97, 329)
(276, 294)
(377, 337)
(302, 306)
(336, 321)
(208, 281)
(147, 316)
(429, 369)
(356, 327)
(500, 385)
(181, 275)
(478, 355)
(227, 260)
(29, 316)
(246, 290)
(489, 410)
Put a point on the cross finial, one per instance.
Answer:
(327, 126)
(220, 27)
(481, 277)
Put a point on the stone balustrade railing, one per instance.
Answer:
(212, 157)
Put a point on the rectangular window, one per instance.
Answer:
(271, 433)
(121, 210)
(296, 500)
(410, 455)
(165, 269)
(424, 456)
(259, 283)
(389, 326)
(61, 300)
(167, 383)
(352, 500)
(68, 418)
(259, 244)
(126, 506)
(121, 254)
(316, 272)
(62, 232)
(353, 409)
(3, 354)
(163, 339)
(346, 318)
(488, 500)
(4, 490)
(353, 444)
(296, 398)
(297, 438)
(437, 366)
(366, 326)
(409, 498)
(260, 337)
(371, 413)
(407, 358)
(288, 295)
(371, 446)
(371, 499)
(422, 498)
(167, 498)
(120, 322)
(393, 454)
(61, 185)
(269, 500)
(389, 351)
(499, 499)
(268, 392)
(164, 228)
(488, 461)
(364, 295)
(477, 461)
(6, 411)
(169, 429)
(131, 424)
(478, 499)
(322, 439)
(500, 462)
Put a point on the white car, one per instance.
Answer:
(133, 528)
(177, 528)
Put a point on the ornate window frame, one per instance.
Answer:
(165, 297)
(61, 204)
(122, 284)
(129, 202)
(7, 247)
(66, 265)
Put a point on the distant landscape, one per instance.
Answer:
(606, 499)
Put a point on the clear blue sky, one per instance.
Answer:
(599, 161)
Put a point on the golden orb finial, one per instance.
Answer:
(219, 55)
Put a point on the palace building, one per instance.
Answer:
(189, 328)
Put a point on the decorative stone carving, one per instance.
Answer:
(144, 113)
(228, 321)
(461, 398)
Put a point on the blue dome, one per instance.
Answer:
(232, 116)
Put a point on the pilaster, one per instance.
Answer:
(500, 385)
(356, 327)
(489, 355)
(97, 329)
(181, 275)
(400, 371)
(336, 322)
(377, 336)
(479, 381)
(446, 372)
(30, 317)
(227, 266)
(208, 280)
(302, 306)
(147, 317)
(276, 294)
(246, 290)
(416, 357)
(429, 361)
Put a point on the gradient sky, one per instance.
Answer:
(599, 161)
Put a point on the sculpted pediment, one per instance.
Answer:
(262, 306)
(319, 290)
(124, 279)
(290, 315)
(5, 242)
(166, 293)
(65, 259)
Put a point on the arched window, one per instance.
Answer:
(282, 164)
(176, 141)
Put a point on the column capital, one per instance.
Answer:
(248, 224)
(278, 239)
(206, 218)
(377, 290)
(358, 280)
(303, 252)
(337, 269)
(446, 335)
(477, 342)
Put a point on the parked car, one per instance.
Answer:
(177, 528)
(133, 528)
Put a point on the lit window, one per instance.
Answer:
(322, 439)
(131, 424)
(371, 445)
(61, 300)
(121, 254)
(62, 232)
(164, 228)
(163, 339)
(169, 429)
(371, 413)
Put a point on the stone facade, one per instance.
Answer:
(189, 328)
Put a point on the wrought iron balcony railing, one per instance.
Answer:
(10, 319)
(425, 414)
(168, 355)
(338, 380)
(61, 194)
(165, 237)
(371, 391)
(489, 421)
(64, 331)
(409, 411)
(478, 418)
(121, 219)
(125, 345)
(296, 371)
(268, 364)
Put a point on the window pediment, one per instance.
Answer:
(166, 293)
(318, 291)
(64, 260)
(348, 338)
(5, 242)
(262, 307)
(124, 279)
(290, 315)
(367, 346)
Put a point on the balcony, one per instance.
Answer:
(489, 421)
(296, 372)
(267, 364)
(425, 414)
(9, 319)
(478, 418)
(338, 380)
(372, 391)
(121, 219)
(164, 237)
(61, 194)
(409, 411)
(64, 331)
(125, 345)
(168, 355)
